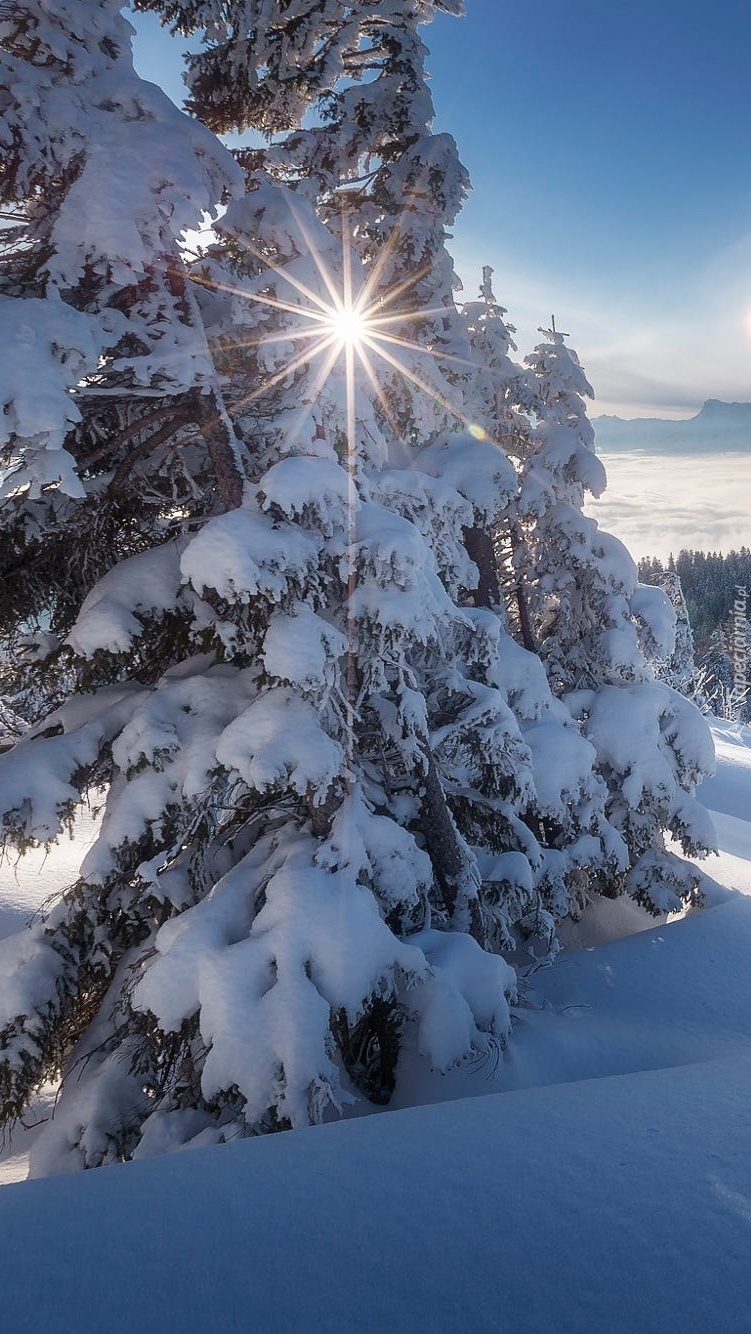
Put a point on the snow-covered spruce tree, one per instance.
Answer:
(505, 398)
(334, 790)
(679, 670)
(112, 428)
(111, 420)
(279, 893)
(715, 684)
(505, 393)
(581, 843)
(389, 187)
(369, 161)
(278, 802)
(597, 627)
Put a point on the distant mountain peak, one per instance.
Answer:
(714, 407)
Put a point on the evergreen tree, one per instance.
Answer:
(713, 674)
(679, 669)
(112, 416)
(354, 159)
(320, 811)
(714, 678)
(596, 626)
(335, 786)
(505, 397)
(389, 187)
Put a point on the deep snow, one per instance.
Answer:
(614, 1204)
(606, 1187)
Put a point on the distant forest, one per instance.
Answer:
(709, 584)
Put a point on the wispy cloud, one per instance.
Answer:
(650, 348)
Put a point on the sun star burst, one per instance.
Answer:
(349, 326)
(348, 322)
(356, 329)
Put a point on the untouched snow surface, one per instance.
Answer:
(615, 1204)
(603, 1181)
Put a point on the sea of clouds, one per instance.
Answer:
(657, 504)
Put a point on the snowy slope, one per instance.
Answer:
(605, 1186)
(730, 789)
(616, 1204)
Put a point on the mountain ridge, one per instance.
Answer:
(717, 424)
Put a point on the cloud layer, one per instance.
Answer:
(657, 504)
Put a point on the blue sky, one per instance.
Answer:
(608, 145)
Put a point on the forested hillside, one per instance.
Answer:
(709, 581)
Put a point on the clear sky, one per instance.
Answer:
(609, 147)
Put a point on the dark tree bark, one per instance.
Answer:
(525, 621)
(479, 547)
(448, 858)
(213, 427)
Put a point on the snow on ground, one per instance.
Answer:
(596, 1177)
(730, 789)
(614, 1204)
(728, 796)
(25, 882)
(486, 1215)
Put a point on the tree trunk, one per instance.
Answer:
(451, 867)
(479, 547)
(212, 425)
(525, 621)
